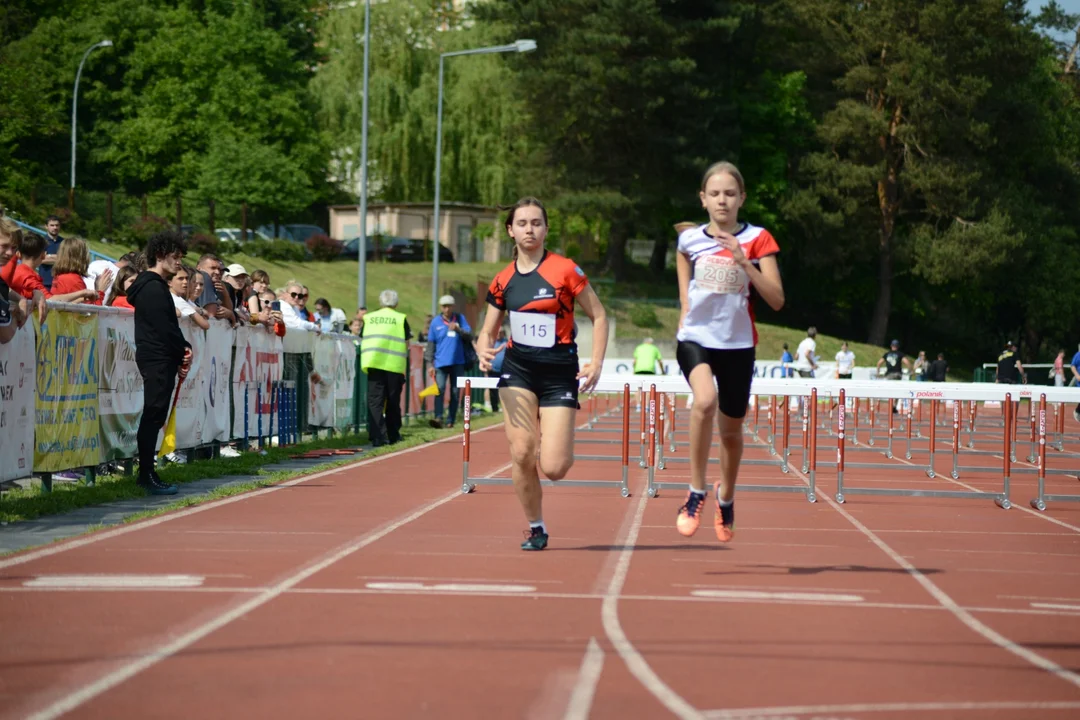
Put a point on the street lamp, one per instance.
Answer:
(361, 290)
(521, 46)
(74, 108)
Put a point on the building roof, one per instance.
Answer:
(421, 205)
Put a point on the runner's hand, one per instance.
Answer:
(730, 242)
(486, 358)
(591, 373)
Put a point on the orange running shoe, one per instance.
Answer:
(724, 521)
(690, 514)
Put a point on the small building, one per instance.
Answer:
(458, 226)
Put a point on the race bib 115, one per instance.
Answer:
(532, 329)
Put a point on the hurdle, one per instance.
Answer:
(1039, 502)
(468, 484)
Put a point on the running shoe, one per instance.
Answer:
(690, 514)
(724, 521)
(535, 539)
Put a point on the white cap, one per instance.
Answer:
(446, 300)
(236, 270)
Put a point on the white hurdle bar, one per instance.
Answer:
(816, 389)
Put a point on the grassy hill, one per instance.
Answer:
(635, 318)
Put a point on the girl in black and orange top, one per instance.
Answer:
(540, 373)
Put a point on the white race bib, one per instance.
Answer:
(719, 274)
(451, 333)
(532, 329)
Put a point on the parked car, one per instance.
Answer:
(233, 234)
(350, 249)
(296, 233)
(409, 250)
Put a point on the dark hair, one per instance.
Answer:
(163, 244)
(51, 218)
(209, 256)
(322, 301)
(32, 245)
(527, 201)
(117, 289)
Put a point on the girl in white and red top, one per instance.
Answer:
(722, 267)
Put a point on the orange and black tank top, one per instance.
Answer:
(540, 305)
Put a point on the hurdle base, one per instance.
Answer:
(998, 499)
(623, 488)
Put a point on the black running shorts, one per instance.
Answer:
(733, 370)
(553, 384)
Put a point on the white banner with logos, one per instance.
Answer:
(325, 359)
(17, 385)
(190, 407)
(120, 386)
(217, 374)
(257, 364)
(344, 379)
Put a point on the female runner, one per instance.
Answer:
(717, 265)
(540, 371)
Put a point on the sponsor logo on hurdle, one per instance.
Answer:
(927, 394)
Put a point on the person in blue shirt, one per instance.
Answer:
(787, 359)
(499, 346)
(1075, 366)
(445, 356)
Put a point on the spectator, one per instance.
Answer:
(117, 297)
(178, 286)
(20, 308)
(383, 357)
(647, 358)
(8, 324)
(1075, 367)
(893, 360)
(72, 261)
(786, 371)
(22, 277)
(427, 326)
(52, 248)
(920, 367)
(238, 285)
(260, 283)
(292, 309)
(1009, 368)
(215, 297)
(845, 362)
(161, 352)
(499, 346)
(939, 369)
(805, 359)
(445, 356)
(332, 320)
(1058, 371)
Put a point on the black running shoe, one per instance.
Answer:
(154, 485)
(535, 539)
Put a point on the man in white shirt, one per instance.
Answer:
(845, 362)
(290, 309)
(805, 358)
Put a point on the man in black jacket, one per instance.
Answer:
(161, 352)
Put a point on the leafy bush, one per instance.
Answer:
(284, 250)
(644, 316)
(202, 243)
(573, 250)
(324, 248)
(139, 232)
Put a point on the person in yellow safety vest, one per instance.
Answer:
(647, 358)
(384, 349)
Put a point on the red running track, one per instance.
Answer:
(379, 591)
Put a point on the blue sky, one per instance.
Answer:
(1070, 6)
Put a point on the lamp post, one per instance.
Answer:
(361, 291)
(521, 46)
(74, 109)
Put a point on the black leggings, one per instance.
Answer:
(158, 385)
(733, 370)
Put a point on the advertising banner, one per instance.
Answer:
(217, 376)
(66, 403)
(17, 405)
(325, 359)
(344, 377)
(257, 365)
(120, 387)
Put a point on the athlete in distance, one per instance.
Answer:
(540, 375)
(721, 267)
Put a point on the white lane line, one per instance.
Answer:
(125, 582)
(151, 522)
(765, 712)
(609, 612)
(1018, 505)
(946, 601)
(1039, 597)
(118, 676)
(588, 677)
(1054, 606)
(798, 596)
(450, 587)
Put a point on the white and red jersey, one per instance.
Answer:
(721, 313)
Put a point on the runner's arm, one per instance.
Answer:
(767, 280)
(594, 310)
(682, 270)
(485, 350)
